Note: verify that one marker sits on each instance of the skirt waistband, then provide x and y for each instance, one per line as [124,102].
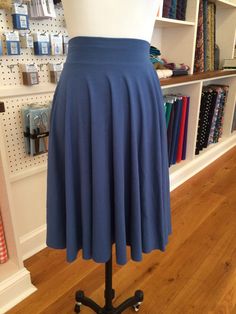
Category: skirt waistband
[86,49]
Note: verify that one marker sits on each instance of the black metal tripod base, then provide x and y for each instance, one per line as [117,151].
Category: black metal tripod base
[134,302]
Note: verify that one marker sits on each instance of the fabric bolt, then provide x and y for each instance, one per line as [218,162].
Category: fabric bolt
[204,109]
[205,32]
[184,152]
[199,50]
[214,48]
[210,115]
[212,6]
[176,129]
[168,112]
[181,132]
[170,130]
[234,120]
[3,246]
[108,176]
[181,10]
[166,8]
[173,7]
[215,115]
[220,119]
[209,43]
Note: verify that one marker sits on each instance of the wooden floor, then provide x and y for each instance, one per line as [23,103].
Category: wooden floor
[196,274]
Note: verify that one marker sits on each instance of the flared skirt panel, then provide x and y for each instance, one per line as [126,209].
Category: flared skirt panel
[108,175]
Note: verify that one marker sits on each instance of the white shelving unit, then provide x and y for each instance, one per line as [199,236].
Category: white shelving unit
[176,40]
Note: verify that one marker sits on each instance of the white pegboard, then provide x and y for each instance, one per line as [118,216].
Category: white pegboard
[11,122]
[8,78]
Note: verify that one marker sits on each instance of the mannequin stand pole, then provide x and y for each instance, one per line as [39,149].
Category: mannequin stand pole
[109,295]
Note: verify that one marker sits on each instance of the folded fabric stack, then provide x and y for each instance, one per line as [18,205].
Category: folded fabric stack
[206,51]
[210,124]
[155,56]
[166,69]
[176,112]
[177,68]
[174,9]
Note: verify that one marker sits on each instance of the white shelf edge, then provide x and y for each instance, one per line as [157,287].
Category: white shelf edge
[225,4]
[218,77]
[27,173]
[181,84]
[197,81]
[14,91]
[168,22]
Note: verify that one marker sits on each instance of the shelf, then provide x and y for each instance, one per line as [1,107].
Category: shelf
[196,77]
[166,22]
[21,90]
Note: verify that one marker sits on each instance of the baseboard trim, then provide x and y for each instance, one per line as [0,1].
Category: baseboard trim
[15,289]
[33,242]
[200,162]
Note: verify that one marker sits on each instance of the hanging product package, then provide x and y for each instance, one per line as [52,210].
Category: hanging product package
[65,44]
[20,16]
[36,126]
[41,44]
[41,9]
[56,44]
[12,43]
[30,74]
[55,72]
[26,40]
[48,8]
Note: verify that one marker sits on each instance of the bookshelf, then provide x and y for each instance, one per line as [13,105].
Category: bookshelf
[176,40]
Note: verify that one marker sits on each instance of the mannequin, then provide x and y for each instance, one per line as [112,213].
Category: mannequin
[108,137]
[111,18]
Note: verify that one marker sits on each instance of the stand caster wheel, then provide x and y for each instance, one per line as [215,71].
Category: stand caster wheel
[77,307]
[79,295]
[136,307]
[139,295]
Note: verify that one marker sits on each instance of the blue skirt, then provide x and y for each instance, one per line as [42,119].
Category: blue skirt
[108,174]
